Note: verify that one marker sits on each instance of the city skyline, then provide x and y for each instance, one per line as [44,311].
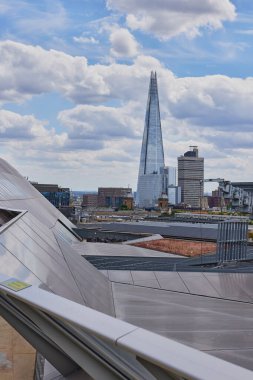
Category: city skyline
[73,80]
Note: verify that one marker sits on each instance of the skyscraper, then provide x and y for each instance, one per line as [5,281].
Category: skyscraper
[151,170]
[191,176]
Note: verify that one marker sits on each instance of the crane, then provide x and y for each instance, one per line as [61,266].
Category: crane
[241,200]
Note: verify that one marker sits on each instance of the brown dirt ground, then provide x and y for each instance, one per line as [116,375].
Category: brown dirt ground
[180,247]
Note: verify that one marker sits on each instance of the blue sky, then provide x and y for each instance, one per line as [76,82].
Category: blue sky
[74,78]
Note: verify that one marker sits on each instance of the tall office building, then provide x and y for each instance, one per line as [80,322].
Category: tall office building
[151,171]
[170,174]
[190,177]
[174,195]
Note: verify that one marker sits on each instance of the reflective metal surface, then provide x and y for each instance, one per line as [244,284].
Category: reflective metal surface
[50,262]
[89,342]
[95,288]
[209,324]
[14,268]
[50,268]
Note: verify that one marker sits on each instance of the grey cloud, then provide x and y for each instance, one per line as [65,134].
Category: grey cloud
[82,144]
[19,127]
[103,123]
[123,43]
[115,156]
[233,141]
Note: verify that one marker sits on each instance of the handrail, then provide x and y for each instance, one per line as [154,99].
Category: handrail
[150,348]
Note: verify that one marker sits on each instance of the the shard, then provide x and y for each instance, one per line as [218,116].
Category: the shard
[151,170]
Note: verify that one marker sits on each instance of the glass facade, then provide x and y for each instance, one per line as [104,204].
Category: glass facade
[174,195]
[150,179]
[57,198]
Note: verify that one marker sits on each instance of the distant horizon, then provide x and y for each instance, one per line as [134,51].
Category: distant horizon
[95,192]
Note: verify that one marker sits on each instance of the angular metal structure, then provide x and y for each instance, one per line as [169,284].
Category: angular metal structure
[151,169]
[36,245]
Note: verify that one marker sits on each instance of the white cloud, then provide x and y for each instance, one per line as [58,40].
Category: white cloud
[231,50]
[27,70]
[248,32]
[4,8]
[214,112]
[85,40]
[130,82]
[123,43]
[166,19]
[28,136]
[28,19]
[217,101]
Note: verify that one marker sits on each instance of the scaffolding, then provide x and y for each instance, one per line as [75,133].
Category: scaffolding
[232,240]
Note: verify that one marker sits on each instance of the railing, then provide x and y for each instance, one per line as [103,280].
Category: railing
[78,340]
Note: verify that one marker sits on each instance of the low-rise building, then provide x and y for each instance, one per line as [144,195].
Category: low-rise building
[112,196]
[58,196]
[90,201]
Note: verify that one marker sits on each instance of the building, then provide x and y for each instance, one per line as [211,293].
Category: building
[58,196]
[204,204]
[217,201]
[174,195]
[163,202]
[128,201]
[90,200]
[150,184]
[112,196]
[170,174]
[191,177]
[246,186]
[172,190]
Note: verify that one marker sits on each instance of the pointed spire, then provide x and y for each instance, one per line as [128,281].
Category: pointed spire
[152,156]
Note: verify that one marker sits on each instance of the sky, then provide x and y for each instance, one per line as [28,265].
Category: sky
[74,79]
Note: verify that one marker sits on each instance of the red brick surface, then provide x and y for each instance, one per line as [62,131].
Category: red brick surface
[180,247]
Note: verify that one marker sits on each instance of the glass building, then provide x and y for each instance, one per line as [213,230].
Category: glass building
[151,171]
[55,194]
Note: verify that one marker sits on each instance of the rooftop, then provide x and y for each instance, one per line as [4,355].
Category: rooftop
[205,309]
